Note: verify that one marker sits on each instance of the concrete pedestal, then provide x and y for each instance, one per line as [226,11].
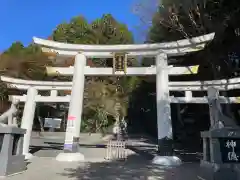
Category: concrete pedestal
[11,157]
[167,161]
[70,157]
[28,156]
[218,145]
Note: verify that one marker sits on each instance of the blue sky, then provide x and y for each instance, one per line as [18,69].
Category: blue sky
[23,19]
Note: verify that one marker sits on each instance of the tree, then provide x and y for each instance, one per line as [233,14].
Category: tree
[24,62]
[15,49]
[100,92]
[21,62]
[178,19]
[105,30]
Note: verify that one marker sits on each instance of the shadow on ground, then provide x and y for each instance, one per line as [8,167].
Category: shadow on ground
[134,168]
[142,145]
[149,149]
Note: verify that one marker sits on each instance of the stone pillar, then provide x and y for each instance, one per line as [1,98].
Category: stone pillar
[188,95]
[164,124]
[27,119]
[71,144]
[54,93]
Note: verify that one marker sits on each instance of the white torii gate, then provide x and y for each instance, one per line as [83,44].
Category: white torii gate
[33,86]
[33,97]
[30,103]
[159,51]
[188,87]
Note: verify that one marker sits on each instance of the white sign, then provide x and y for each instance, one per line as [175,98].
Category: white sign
[52,123]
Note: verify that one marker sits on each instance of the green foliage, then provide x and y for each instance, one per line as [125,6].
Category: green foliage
[24,62]
[98,122]
[15,49]
[108,31]
[105,30]
[77,31]
[100,93]
[3,92]
[21,62]
[178,19]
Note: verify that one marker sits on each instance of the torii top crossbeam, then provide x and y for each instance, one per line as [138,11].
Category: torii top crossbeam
[171,48]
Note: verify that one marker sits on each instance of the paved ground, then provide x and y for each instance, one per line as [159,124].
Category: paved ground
[51,145]
[133,169]
[136,167]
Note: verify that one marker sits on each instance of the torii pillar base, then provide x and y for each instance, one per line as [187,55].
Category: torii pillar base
[167,161]
[28,156]
[70,157]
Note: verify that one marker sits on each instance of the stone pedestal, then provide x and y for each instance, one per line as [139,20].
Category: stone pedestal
[70,157]
[221,154]
[11,146]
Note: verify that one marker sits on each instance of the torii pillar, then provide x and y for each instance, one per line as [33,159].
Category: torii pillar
[71,145]
[164,124]
[27,120]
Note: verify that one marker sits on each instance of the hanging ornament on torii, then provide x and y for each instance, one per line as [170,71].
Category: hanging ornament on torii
[120,61]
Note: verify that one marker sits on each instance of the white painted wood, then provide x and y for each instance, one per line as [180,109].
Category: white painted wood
[223,85]
[125,48]
[39,98]
[65,53]
[223,82]
[32,82]
[181,100]
[38,87]
[204,100]
[173,86]
[27,118]
[164,122]
[188,95]
[131,71]
[101,54]
[53,93]
[76,101]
